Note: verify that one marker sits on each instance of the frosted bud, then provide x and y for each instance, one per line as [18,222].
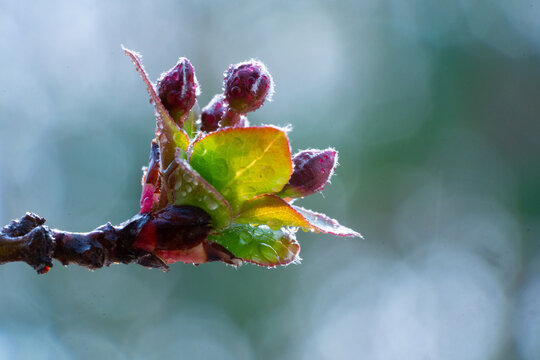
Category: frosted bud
[247,85]
[312,171]
[178,89]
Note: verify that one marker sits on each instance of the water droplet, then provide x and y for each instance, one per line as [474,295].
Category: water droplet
[236,91]
[274,224]
[183,193]
[188,176]
[268,253]
[178,184]
[258,232]
[244,238]
[267,172]
[188,187]
[211,204]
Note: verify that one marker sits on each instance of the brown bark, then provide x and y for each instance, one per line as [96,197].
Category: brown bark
[29,240]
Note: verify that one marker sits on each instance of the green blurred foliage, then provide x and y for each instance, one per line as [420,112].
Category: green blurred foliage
[433,106]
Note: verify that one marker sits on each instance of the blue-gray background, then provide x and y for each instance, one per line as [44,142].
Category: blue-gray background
[433,105]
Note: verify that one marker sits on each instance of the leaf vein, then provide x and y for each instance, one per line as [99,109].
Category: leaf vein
[251,164]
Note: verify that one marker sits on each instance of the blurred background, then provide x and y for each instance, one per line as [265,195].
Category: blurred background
[434,107]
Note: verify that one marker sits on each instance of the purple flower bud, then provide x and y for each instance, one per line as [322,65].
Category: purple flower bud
[178,89]
[213,113]
[247,85]
[312,170]
[218,114]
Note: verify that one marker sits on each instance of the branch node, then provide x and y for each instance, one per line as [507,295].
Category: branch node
[40,249]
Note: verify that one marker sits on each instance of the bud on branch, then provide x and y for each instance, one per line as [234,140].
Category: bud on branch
[178,90]
[312,171]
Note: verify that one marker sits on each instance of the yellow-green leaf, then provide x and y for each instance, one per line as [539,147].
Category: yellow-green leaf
[272,211]
[275,212]
[242,163]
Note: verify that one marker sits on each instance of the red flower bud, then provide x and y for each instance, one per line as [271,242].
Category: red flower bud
[312,170]
[247,85]
[178,89]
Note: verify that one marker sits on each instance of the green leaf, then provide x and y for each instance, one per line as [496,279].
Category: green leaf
[242,163]
[258,245]
[170,136]
[275,212]
[190,125]
[184,186]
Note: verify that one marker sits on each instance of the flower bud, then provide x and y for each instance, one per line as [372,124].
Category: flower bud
[312,170]
[247,85]
[178,89]
[213,113]
[218,114]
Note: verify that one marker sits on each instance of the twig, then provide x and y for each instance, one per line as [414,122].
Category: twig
[29,240]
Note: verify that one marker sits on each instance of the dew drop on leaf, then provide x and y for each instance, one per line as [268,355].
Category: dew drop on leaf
[178,184]
[211,204]
[268,253]
[274,224]
[245,238]
[188,177]
[258,232]
[267,172]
